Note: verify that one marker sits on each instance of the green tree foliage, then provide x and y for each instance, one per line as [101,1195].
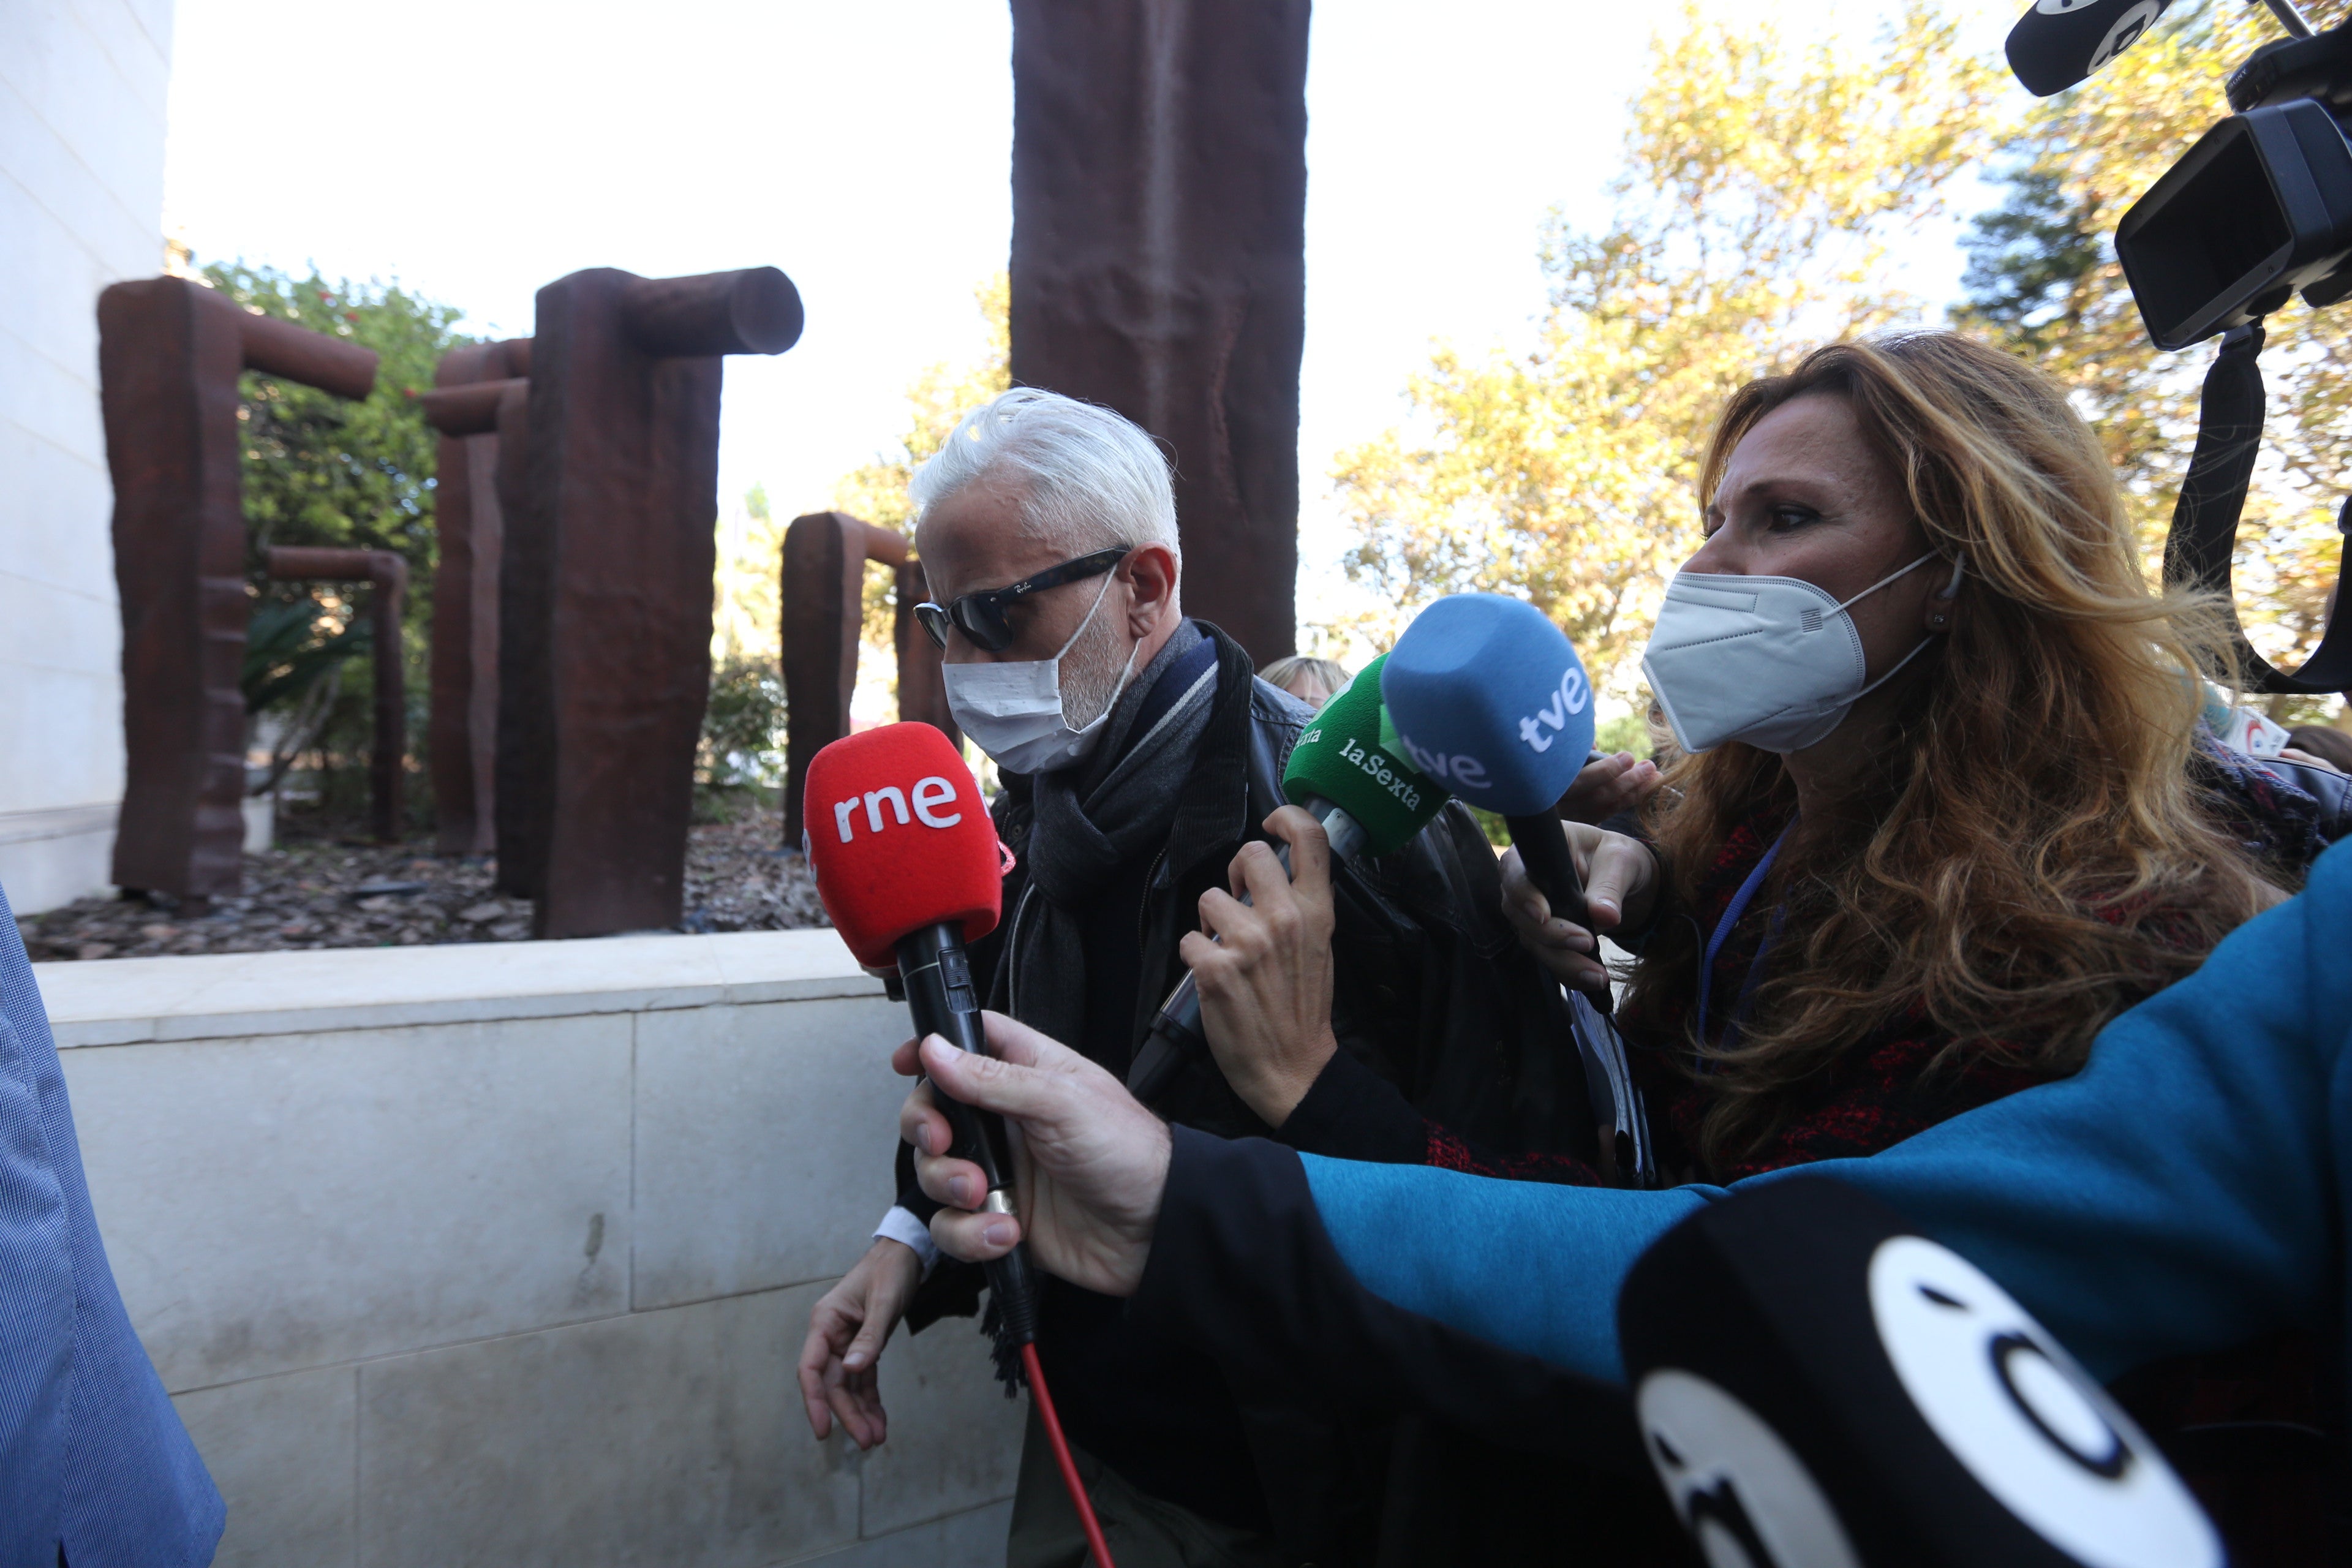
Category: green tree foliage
[323,470]
[2043,277]
[747,597]
[742,745]
[1760,190]
[288,650]
[320,470]
[743,728]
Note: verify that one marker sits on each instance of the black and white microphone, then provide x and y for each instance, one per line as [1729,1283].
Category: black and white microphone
[2059,43]
[1819,1387]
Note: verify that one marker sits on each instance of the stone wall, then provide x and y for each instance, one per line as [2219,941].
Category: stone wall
[81,201]
[503,1254]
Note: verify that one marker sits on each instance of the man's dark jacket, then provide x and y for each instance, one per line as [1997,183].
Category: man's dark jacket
[1438,1013]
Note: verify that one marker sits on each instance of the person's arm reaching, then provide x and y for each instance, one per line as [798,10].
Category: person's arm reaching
[2180,1194]
[2177,1195]
[1236,1260]
[2184,1192]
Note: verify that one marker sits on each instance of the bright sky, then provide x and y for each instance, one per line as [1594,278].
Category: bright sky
[477,149]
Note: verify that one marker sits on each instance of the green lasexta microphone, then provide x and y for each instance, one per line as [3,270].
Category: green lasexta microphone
[1357,786]
[1370,801]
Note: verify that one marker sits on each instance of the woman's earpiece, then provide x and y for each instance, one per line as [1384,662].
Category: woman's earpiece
[1949,590]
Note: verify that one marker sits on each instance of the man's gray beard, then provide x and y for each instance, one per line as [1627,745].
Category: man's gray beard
[1091,671]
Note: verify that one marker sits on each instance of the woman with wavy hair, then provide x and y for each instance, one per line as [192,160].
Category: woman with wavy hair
[1945,805]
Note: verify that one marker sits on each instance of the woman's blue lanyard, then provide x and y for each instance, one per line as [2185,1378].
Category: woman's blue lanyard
[1723,928]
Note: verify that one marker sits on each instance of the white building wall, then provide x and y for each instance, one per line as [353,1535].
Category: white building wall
[504,1253]
[82,87]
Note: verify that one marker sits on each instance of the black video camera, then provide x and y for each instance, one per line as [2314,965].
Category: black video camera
[2258,208]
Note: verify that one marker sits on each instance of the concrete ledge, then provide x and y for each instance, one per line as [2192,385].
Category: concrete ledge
[48,861]
[58,822]
[503,1253]
[141,1001]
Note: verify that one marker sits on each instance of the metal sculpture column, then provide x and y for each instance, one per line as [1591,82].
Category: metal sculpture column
[1159,242]
[606,670]
[518,807]
[922,689]
[826,555]
[386,576]
[468,385]
[168,354]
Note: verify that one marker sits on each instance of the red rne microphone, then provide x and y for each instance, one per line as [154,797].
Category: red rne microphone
[906,862]
[900,839]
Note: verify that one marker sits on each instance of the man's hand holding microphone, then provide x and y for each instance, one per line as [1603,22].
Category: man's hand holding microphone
[1090,1162]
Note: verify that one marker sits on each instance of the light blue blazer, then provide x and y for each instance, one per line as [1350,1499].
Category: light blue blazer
[92,1455]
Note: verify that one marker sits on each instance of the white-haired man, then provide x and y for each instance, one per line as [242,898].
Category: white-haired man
[1142,762]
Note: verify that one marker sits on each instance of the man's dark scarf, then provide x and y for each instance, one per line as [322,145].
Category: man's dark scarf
[1094,819]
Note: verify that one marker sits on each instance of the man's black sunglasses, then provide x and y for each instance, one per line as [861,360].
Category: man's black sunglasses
[981,616]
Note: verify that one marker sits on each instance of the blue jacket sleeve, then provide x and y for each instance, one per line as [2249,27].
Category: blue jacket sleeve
[92,1455]
[2180,1194]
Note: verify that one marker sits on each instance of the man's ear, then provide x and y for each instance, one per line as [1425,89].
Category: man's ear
[1151,573]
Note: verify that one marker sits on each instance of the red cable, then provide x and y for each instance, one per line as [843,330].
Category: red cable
[1087,1520]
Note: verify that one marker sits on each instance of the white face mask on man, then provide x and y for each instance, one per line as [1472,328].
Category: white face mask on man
[1773,661]
[1012,709]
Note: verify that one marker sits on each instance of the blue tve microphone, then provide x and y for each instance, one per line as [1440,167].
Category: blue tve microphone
[1490,702]
[1487,698]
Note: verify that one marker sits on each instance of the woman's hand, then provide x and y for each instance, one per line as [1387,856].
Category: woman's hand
[1607,785]
[1620,877]
[1090,1164]
[1265,982]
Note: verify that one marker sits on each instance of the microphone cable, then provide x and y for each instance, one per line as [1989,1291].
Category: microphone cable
[935,976]
[1069,1467]
[904,898]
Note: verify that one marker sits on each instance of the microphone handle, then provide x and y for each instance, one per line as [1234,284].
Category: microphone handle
[936,975]
[1176,1037]
[1543,850]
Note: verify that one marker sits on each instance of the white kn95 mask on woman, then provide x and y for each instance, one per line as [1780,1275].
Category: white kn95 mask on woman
[1773,661]
[1012,709]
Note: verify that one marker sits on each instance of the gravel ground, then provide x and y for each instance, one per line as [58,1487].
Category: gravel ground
[327,892]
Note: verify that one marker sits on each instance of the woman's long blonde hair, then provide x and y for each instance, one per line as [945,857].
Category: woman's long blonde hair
[2028,856]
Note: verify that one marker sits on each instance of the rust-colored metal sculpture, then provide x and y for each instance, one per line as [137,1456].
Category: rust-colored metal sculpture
[826,555]
[922,689]
[605,599]
[170,351]
[519,794]
[1159,240]
[468,385]
[386,576]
